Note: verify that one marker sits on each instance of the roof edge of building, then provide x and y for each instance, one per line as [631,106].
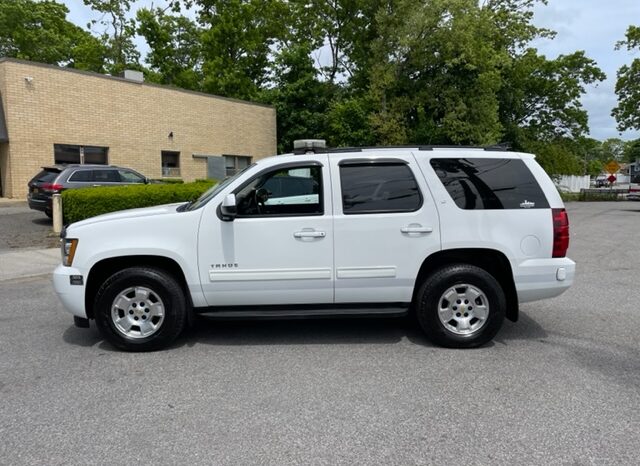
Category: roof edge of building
[128,81]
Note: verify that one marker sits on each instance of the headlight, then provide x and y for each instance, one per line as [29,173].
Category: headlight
[68,248]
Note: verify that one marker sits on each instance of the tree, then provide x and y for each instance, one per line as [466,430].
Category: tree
[237,39]
[300,98]
[175,45]
[117,34]
[540,99]
[627,112]
[632,151]
[39,31]
[613,149]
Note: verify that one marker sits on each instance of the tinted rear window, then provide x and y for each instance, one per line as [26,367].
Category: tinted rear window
[46,176]
[378,188]
[81,176]
[484,183]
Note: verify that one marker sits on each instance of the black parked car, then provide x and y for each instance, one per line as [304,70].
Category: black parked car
[56,178]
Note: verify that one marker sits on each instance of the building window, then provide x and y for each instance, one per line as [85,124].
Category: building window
[66,153]
[170,163]
[236,163]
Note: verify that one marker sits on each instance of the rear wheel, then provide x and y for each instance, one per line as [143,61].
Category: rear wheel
[140,309]
[461,306]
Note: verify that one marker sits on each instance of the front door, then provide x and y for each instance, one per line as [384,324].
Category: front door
[279,248]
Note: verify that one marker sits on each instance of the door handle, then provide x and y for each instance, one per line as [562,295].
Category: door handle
[309,234]
[416,229]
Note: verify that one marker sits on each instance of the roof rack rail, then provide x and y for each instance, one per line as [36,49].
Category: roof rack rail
[313,148]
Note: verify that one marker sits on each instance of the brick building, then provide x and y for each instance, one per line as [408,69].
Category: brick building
[53,115]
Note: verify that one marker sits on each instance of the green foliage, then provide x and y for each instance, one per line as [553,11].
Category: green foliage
[627,112]
[236,44]
[116,32]
[301,100]
[39,31]
[612,149]
[569,197]
[590,196]
[632,151]
[175,54]
[78,204]
[557,157]
[349,124]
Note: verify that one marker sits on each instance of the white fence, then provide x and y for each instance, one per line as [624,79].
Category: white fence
[571,183]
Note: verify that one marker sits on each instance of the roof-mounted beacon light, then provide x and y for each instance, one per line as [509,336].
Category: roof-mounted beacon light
[308,146]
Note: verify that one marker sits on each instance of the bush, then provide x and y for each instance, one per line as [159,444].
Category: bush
[78,204]
[601,196]
[568,197]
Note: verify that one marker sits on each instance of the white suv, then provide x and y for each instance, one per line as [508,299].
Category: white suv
[460,236]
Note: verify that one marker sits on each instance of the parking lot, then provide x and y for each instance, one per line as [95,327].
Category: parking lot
[21,227]
[561,386]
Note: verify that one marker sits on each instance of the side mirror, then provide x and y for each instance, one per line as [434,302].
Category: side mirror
[228,208]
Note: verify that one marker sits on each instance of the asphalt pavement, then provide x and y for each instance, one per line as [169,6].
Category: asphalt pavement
[21,227]
[561,386]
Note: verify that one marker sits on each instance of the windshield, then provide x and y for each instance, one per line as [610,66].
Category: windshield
[211,193]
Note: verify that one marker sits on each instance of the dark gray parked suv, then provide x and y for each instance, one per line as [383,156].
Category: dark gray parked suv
[56,178]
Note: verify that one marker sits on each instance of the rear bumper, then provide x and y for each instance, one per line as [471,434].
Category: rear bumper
[71,296]
[543,278]
[39,204]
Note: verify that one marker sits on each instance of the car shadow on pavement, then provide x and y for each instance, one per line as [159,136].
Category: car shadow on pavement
[329,331]
[326,331]
[525,329]
[83,336]
[42,221]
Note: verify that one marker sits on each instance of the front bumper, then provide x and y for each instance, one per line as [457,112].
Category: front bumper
[543,278]
[71,296]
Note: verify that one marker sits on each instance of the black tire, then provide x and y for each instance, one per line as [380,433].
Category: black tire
[429,301]
[48,213]
[164,286]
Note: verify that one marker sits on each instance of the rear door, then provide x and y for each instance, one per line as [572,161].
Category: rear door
[385,225]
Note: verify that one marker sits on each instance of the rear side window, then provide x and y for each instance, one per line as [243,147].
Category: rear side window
[378,188]
[80,176]
[46,176]
[127,176]
[484,183]
[106,176]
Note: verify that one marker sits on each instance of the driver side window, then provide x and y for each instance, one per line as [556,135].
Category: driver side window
[282,192]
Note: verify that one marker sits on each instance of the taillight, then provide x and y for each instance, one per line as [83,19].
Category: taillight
[52,186]
[560,232]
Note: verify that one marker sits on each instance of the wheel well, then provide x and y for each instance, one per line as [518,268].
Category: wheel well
[494,262]
[105,268]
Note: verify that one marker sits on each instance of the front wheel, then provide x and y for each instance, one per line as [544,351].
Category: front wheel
[461,306]
[140,309]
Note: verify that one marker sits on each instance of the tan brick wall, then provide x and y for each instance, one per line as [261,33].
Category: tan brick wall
[134,120]
[5,172]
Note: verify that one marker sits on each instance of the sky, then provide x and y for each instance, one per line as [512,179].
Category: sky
[590,25]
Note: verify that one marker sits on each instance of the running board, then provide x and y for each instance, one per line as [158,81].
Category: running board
[302,311]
